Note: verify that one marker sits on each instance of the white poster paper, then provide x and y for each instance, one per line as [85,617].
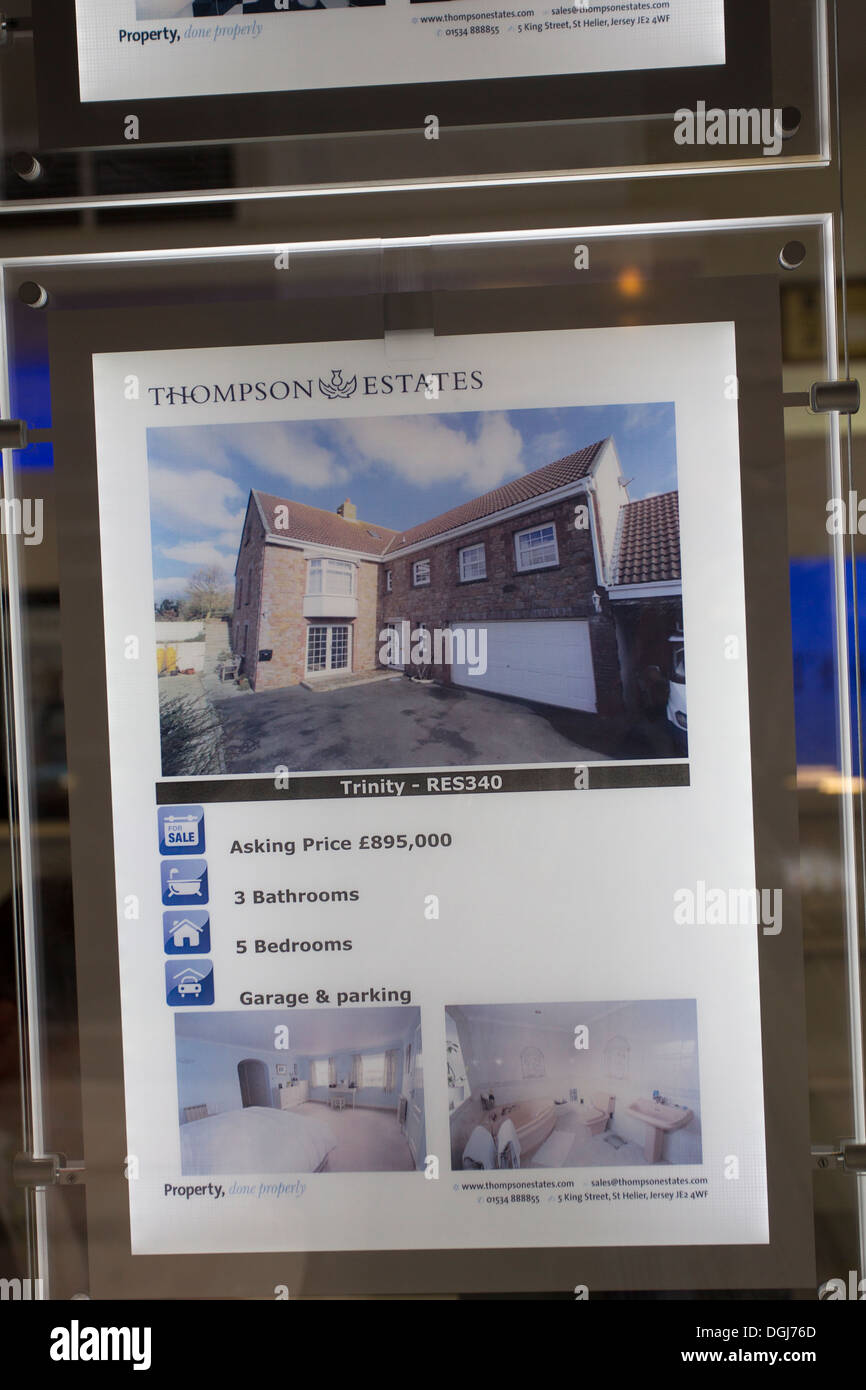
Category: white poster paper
[424,841]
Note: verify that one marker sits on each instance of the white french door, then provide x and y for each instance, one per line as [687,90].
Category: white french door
[329,648]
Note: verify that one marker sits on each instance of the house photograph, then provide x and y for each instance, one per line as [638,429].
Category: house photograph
[579,1085]
[344,1095]
[482,587]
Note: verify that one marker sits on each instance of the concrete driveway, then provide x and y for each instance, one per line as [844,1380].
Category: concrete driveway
[394,724]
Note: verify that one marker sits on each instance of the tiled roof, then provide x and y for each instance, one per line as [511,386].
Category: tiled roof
[648,546]
[319,527]
[547,479]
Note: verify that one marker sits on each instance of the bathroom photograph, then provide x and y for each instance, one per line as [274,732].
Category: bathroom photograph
[582,1085]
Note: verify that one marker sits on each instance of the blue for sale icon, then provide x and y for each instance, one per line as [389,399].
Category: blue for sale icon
[181,829]
[188,982]
[184,882]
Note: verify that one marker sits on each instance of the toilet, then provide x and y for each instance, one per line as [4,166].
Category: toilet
[594,1117]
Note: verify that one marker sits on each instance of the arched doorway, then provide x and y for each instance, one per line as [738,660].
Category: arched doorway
[255,1083]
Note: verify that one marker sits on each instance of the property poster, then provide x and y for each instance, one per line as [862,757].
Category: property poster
[429,733]
[144,49]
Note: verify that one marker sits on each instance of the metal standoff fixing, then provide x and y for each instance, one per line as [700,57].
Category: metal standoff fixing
[47,1170]
[13,434]
[841,396]
[35,296]
[790,120]
[846,1155]
[9,27]
[26,166]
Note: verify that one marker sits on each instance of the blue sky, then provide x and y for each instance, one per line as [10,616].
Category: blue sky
[398,470]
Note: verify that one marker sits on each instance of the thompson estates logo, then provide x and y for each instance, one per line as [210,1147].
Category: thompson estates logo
[339,388]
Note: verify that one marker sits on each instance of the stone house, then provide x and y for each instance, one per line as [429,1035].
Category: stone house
[577,589]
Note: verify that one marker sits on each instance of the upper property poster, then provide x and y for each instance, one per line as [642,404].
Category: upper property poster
[459,61]
[172,48]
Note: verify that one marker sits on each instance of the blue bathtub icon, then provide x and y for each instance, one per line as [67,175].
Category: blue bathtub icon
[184,882]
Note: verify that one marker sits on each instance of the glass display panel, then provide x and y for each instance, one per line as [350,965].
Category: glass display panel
[633,483]
[412,91]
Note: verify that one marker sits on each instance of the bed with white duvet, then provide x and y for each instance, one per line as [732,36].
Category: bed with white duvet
[255,1140]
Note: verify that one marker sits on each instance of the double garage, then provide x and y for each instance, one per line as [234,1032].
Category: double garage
[549,661]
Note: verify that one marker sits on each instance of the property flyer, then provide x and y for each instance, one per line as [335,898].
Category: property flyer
[143,49]
[429,732]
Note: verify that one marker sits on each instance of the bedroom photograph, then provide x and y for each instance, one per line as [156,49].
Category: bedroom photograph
[329,1091]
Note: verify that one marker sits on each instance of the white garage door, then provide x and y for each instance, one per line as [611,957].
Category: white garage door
[546,661]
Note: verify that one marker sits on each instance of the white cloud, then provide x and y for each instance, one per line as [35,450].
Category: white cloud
[201,554]
[286,449]
[425,450]
[169,588]
[196,498]
[291,452]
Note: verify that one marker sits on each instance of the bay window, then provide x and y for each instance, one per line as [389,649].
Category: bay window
[325,576]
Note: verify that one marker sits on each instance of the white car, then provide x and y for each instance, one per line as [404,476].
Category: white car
[676,707]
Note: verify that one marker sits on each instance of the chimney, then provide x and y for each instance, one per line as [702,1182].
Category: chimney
[348,511]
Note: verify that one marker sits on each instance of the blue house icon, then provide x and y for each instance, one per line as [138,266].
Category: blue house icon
[186,933]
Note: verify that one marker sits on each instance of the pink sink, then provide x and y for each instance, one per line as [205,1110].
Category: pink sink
[664,1117]
[660,1120]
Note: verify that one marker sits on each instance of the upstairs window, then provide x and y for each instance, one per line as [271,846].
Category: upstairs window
[473,563]
[536,549]
[389,581]
[421,573]
[336,577]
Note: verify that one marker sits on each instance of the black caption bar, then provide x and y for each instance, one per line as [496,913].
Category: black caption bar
[762,1327]
[369,786]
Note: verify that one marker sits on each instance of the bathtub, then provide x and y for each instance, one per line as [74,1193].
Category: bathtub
[534,1120]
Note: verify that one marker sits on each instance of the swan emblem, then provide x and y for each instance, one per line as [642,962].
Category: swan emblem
[337,387]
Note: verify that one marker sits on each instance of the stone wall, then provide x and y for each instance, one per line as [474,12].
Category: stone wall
[365,637]
[283,627]
[269,612]
[248,583]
